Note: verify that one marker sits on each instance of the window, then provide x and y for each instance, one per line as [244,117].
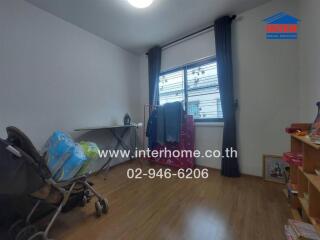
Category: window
[196,86]
[171,87]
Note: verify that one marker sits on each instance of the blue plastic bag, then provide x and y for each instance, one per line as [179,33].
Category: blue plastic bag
[60,147]
[72,165]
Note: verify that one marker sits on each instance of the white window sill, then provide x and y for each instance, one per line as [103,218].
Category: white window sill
[209,124]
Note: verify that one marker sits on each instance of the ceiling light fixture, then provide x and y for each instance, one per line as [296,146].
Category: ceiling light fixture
[140,3]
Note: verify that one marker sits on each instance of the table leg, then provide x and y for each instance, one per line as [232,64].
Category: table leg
[119,142]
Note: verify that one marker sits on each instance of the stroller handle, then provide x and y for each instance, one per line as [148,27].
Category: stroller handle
[14,151]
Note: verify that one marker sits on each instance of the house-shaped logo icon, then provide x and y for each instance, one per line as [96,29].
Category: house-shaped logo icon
[281,26]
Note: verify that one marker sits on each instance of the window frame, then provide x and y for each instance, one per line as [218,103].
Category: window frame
[185,68]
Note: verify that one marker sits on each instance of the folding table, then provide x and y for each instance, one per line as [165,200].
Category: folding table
[119,132]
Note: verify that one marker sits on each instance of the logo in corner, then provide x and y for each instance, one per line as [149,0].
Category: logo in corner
[281,26]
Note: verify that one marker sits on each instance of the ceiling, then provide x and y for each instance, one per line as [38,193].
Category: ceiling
[138,29]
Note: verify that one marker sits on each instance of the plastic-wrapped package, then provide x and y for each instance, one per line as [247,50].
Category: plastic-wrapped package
[72,165]
[59,147]
[91,151]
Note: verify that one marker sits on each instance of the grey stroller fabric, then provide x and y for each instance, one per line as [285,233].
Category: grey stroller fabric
[17,138]
[18,173]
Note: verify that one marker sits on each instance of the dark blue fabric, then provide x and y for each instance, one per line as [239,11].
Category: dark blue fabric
[164,125]
[173,114]
[161,134]
[151,132]
[154,65]
[222,29]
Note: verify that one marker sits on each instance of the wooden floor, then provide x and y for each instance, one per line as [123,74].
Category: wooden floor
[218,208]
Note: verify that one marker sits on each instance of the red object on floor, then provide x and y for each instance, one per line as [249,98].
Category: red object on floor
[187,142]
[295,159]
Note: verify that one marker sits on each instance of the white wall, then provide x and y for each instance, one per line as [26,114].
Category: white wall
[267,85]
[54,75]
[309,50]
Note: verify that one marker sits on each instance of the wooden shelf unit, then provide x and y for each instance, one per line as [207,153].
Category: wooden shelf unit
[306,140]
[307,181]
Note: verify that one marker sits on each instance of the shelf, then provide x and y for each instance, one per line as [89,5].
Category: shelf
[309,176]
[305,205]
[306,179]
[306,140]
[295,214]
[314,180]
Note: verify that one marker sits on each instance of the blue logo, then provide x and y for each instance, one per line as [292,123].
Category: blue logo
[281,26]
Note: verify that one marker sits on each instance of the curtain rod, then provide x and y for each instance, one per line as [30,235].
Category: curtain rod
[191,34]
[188,36]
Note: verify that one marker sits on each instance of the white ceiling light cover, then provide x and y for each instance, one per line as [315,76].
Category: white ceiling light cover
[140,3]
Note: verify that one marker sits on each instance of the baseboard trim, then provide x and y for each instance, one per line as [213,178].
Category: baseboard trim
[218,169]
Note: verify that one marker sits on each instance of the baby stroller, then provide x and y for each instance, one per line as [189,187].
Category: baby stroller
[24,172]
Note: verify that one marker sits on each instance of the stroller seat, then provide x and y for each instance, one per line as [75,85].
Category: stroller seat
[26,172]
[19,139]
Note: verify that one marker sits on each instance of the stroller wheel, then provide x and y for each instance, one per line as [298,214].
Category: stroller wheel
[84,201]
[87,193]
[105,206]
[99,209]
[16,228]
[26,232]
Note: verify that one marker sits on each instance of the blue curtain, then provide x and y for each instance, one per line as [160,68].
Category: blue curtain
[222,29]
[154,63]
